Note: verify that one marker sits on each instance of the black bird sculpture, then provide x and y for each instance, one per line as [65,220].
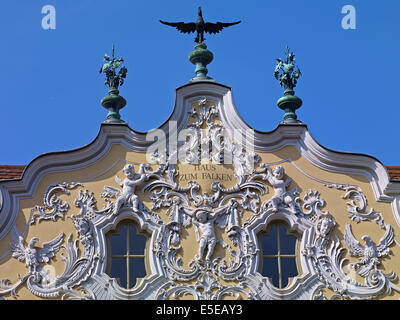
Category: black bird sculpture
[200,26]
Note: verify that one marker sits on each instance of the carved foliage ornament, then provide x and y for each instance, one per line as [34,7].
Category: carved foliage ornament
[207,275]
[204,138]
[221,209]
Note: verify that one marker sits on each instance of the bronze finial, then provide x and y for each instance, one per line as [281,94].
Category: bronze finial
[287,74]
[113,102]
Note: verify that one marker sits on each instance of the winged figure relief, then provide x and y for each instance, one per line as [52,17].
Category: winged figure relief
[204,220]
[369,253]
[127,196]
[33,256]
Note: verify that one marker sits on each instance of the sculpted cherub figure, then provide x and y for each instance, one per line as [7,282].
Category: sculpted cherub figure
[281,197]
[324,226]
[129,184]
[204,220]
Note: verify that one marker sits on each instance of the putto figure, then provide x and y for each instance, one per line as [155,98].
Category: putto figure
[129,185]
[281,196]
[200,26]
[204,219]
[324,225]
[127,196]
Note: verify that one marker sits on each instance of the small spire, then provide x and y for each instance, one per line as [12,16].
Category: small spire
[288,74]
[114,79]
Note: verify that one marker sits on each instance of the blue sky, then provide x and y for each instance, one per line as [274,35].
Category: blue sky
[52,88]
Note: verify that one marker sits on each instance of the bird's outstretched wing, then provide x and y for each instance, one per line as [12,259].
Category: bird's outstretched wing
[356,249]
[385,242]
[18,249]
[50,248]
[217,27]
[181,26]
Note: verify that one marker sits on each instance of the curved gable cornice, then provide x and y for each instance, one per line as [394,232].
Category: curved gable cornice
[296,135]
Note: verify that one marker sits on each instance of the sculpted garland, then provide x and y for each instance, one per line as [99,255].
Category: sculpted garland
[223,209]
[207,276]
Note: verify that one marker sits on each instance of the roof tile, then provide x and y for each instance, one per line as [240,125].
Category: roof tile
[11,172]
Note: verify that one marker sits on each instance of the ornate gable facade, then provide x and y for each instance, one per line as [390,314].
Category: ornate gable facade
[212,198]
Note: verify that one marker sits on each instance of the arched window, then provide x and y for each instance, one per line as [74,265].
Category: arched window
[278,255]
[126,260]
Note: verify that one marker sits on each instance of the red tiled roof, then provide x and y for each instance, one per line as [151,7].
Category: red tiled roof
[11,172]
[15,172]
[394,172]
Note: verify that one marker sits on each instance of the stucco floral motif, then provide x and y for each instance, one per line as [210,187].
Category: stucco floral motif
[53,207]
[208,275]
[328,258]
[77,266]
[357,207]
[205,138]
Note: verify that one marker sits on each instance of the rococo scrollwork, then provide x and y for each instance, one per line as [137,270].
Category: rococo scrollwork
[221,266]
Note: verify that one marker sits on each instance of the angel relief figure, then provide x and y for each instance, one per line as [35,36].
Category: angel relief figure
[33,256]
[280,185]
[204,220]
[324,225]
[127,196]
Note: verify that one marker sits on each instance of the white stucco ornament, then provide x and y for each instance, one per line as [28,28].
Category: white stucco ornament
[167,210]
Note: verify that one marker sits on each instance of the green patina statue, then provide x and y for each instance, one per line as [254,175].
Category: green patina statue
[114,78]
[287,73]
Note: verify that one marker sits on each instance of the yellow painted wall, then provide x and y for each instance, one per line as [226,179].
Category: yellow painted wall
[10,268]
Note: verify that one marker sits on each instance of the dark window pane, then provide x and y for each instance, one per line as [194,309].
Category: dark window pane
[137,270]
[270,270]
[269,242]
[289,270]
[118,270]
[118,242]
[137,241]
[287,242]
